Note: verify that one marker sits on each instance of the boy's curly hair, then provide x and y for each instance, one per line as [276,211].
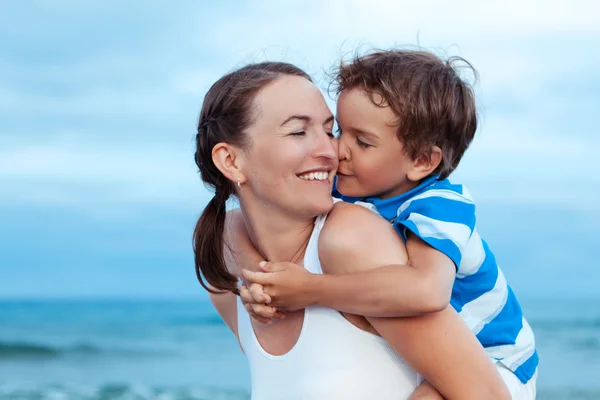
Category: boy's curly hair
[434,106]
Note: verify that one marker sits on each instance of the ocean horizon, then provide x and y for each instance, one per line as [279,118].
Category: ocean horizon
[105,349]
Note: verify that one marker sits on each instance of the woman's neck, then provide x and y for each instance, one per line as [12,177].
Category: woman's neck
[276,236]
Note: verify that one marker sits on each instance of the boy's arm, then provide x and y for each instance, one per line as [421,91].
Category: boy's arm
[422,286]
[436,229]
[240,254]
[425,391]
[237,248]
[438,345]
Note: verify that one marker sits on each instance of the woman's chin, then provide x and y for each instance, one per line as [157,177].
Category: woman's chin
[321,204]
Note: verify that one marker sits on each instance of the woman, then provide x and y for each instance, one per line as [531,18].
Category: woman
[265,135]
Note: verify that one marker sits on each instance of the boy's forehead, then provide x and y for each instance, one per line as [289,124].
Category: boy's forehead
[364,108]
[360,93]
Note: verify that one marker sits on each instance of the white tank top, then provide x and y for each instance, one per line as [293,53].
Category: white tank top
[332,359]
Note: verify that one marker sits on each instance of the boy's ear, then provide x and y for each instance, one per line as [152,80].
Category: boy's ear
[425,164]
[229,160]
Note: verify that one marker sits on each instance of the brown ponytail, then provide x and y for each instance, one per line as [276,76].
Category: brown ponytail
[225,116]
[208,249]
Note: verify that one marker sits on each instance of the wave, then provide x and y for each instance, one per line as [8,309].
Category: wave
[585,343]
[565,324]
[571,394]
[140,392]
[27,350]
[208,320]
[121,392]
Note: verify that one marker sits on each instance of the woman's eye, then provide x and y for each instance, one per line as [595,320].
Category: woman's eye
[338,132]
[298,133]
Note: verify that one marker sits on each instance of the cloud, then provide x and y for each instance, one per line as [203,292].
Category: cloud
[99,100]
[97,176]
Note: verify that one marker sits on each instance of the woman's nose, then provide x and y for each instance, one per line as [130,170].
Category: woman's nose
[327,147]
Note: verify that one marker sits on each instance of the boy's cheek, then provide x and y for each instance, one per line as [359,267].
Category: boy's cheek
[346,187]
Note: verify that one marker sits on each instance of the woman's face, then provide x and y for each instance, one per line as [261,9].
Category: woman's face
[292,158]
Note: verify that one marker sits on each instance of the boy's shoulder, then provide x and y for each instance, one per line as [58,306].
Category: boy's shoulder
[438,203]
[442,214]
[442,188]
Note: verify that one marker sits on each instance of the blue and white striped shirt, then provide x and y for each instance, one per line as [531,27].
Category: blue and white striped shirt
[443,215]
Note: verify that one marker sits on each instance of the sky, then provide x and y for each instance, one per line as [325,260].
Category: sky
[99,100]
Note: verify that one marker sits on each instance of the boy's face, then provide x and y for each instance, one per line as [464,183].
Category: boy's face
[372,157]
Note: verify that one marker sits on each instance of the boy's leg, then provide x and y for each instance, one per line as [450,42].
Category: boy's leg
[518,390]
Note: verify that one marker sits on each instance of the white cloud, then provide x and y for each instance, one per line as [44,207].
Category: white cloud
[84,174]
[159,72]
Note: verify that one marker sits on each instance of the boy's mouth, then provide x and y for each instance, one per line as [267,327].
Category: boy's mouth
[343,174]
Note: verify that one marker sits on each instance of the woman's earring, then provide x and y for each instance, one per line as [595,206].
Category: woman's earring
[238,183]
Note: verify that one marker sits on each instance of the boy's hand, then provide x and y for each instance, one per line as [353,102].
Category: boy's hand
[288,285]
[254,300]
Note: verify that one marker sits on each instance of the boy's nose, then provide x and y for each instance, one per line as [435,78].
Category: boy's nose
[343,151]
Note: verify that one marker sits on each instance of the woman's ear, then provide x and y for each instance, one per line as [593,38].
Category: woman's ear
[229,160]
[425,164]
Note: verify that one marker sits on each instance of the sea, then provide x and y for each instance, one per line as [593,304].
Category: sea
[181,350]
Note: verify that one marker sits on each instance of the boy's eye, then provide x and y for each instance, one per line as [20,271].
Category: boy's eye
[330,134]
[362,144]
[339,132]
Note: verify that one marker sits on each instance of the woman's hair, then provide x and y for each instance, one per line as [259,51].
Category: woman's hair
[227,112]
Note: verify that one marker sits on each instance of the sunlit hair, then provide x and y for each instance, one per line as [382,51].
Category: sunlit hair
[227,112]
[433,104]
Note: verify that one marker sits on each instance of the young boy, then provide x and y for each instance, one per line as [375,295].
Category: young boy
[405,119]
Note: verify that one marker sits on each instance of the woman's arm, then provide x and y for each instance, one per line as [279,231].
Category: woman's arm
[225,304]
[438,345]
[236,242]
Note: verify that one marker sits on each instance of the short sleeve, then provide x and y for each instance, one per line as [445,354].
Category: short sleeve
[444,219]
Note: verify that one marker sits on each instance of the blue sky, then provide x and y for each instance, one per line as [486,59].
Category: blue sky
[99,99]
